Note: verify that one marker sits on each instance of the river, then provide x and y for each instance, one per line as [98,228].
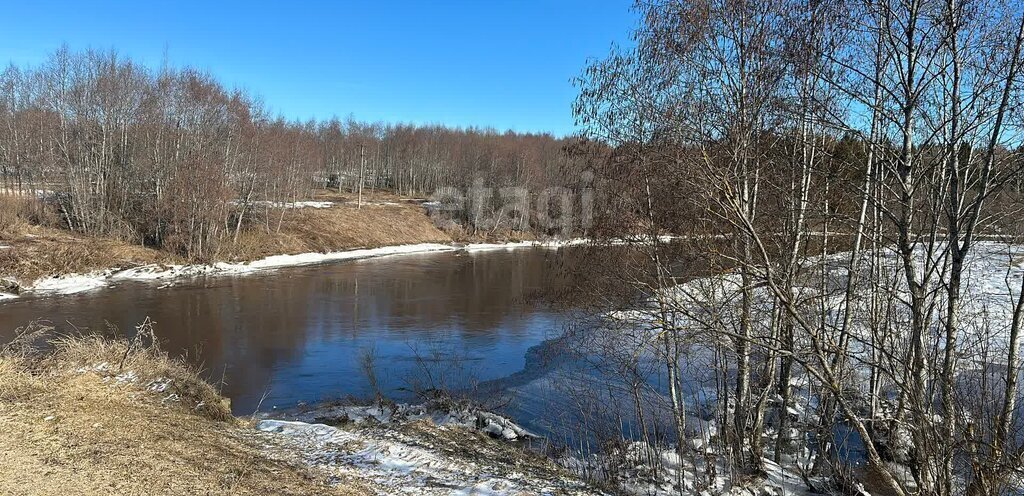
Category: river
[301,334]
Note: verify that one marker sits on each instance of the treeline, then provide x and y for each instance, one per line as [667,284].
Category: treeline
[172,158]
[844,164]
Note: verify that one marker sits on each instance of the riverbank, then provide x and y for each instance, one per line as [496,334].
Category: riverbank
[457,448]
[39,259]
[169,273]
[91,416]
[109,417]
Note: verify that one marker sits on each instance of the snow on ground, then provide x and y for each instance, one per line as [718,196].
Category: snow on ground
[524,244]
[419,449]
[297,204]
[70,284]
[278,261]
[307,204]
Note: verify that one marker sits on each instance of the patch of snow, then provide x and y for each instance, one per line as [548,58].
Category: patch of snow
[125,377]
[70,284]
[309,204]
[159,385]
[500,246]
[99,367]
[313,258]
[298,204]
[524,244]
[374,203]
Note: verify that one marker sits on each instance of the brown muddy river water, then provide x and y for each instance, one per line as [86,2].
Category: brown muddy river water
[300,334]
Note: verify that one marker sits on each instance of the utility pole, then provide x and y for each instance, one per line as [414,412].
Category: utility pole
[362,168]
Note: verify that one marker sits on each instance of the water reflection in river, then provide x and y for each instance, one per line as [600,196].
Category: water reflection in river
[298,334]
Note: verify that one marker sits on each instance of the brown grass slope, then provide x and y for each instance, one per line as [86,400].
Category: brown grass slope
[380,222]
[102,417]
[30,249]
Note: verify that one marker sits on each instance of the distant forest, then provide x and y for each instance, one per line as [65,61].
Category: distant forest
[173,158]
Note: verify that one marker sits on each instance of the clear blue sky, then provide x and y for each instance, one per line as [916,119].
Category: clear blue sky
[505,64]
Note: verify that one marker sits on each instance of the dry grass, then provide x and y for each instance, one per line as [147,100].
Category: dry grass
[31,248]
[38,251]
[29,251]
[13,215]
[18,213]
[451,230]
[113,417]
[342,227]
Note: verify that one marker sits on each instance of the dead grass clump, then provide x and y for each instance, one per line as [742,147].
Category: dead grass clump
[257,243]
[139,362]
[14,215]
[17,359]
[15,382]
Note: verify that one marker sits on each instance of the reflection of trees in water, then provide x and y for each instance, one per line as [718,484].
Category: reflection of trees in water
[243,328]
[469,293]
[602,277]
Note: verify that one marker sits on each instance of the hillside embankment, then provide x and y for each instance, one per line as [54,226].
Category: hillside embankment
[33,247]
[90,416]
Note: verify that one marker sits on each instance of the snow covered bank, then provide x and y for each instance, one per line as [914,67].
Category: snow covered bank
[489,423]
[421,450]
[76,283]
